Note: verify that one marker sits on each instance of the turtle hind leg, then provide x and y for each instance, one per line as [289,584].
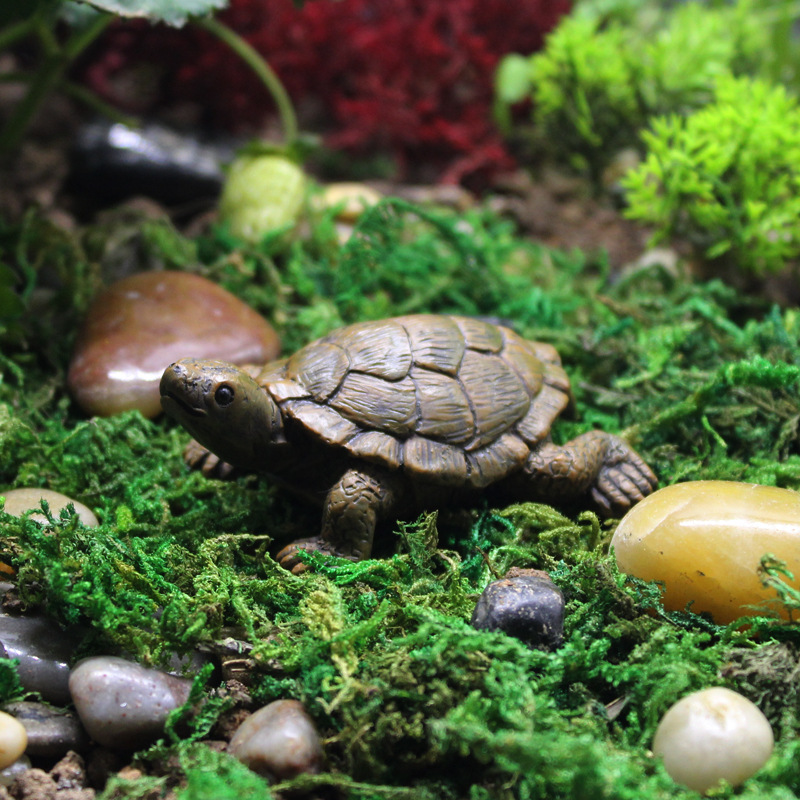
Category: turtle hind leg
[353,507]
[599,463]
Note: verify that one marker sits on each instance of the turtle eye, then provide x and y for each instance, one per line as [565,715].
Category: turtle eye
[224,395]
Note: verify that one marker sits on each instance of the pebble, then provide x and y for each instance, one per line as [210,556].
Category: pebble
[43,650]
[13,739]
[111,161]
[351,198]
[18,501]
[138,326]
[66,781]
[13,771]
[713,735]
[525,604]
[278,741]
[124,705]
[51,731]
[704,540]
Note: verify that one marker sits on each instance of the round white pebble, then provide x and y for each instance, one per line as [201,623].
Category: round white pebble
[713,735]
[18,501]
[13,739]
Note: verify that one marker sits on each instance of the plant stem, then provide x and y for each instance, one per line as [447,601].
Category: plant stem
[90,99]
[14,33]
[262,69]
[47,77]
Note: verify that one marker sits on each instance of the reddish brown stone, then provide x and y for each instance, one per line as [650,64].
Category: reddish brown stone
[138,326]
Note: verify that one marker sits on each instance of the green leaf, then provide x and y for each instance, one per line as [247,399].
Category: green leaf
[173,12]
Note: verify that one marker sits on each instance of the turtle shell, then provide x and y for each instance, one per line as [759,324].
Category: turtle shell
[454,400]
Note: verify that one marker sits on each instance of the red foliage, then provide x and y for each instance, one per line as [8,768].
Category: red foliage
[412,77]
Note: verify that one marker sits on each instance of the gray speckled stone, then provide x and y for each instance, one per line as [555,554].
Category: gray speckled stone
[124,705]
[278,741]
[525,604]
[51,731]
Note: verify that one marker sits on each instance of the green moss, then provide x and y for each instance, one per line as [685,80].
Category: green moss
[725,178]
[603,73]
[410,700]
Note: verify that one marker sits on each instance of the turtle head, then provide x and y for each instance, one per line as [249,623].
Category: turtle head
[223,408]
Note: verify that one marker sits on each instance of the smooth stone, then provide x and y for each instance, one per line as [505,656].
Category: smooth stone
[704,540]
[138,326]
[279,741]
[111,161]
[18,501]
[353,199]
[43,650]
[713,735]
[13,739]
[124,705]
[525,604]
[52,732]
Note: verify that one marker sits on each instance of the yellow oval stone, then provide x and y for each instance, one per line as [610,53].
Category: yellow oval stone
[13,739]
[704,540]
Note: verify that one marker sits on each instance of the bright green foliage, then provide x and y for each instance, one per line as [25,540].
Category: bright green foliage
[596,83]
[412,703]
[727,177]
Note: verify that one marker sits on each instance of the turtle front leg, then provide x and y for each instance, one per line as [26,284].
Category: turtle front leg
[212,466]
[353,507]
[597,462]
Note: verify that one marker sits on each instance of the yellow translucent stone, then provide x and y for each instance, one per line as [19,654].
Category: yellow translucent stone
[704,540]
[13,739]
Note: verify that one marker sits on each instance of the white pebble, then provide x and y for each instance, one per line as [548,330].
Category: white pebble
[712,735]
[278,741]
[18,501]
[13,739]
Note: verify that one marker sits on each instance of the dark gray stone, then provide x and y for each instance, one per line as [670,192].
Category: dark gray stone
[44,650]
[525,604]
[52,732]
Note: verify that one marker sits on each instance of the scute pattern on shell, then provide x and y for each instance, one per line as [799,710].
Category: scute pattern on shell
[453,399]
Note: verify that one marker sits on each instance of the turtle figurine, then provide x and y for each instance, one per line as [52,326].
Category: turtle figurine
[384,419]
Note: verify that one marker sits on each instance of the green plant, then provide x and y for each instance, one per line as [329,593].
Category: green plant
[601,77]
[726,178]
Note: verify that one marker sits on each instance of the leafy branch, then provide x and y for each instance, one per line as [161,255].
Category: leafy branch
[37,21]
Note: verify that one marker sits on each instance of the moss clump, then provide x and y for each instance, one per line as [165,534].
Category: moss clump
[412,702]
[602,76]
[726,177]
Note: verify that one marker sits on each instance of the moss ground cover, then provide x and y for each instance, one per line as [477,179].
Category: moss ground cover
[411,700]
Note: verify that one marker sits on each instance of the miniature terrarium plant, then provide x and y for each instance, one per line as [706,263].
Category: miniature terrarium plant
[443,506]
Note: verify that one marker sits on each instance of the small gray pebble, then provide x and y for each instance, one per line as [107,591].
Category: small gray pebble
[44,650]
[51,731]
[278,741]
[124,705]
[525,604]
[12,772]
